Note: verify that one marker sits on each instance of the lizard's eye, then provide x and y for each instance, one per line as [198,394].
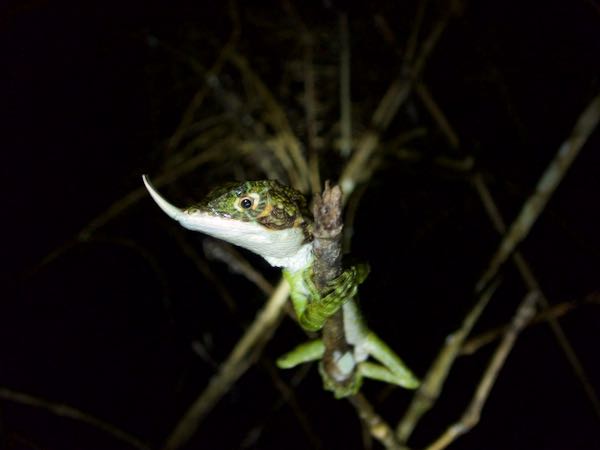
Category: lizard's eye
[246,202]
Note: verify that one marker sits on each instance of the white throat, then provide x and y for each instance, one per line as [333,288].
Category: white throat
[294,263]
[279,245]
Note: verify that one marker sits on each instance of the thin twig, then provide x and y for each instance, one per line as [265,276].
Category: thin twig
[473,344]
[533,207]
[437,114]
[60,409]
[519,261]
[134,196]
[310,109]
[432,385]
[395,96]
[377,427]
[310,98]
[345,96]
[204,268]
[238,264]
[235,261]
[532,284]
[241,358]
[197,100]
[413,39]
[290,399]
[200,95]
[472,414]
[275,115]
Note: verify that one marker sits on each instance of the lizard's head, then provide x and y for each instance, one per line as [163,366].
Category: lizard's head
[265,217]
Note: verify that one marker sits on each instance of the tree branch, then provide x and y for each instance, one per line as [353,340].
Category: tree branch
[327,250]
[241,358]
[472,414]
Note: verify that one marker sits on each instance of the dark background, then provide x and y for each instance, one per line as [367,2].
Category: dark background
[90,93]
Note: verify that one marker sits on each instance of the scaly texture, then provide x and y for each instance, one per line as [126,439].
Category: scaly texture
[272,204]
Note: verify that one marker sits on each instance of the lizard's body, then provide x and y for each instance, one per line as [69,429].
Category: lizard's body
[272,220]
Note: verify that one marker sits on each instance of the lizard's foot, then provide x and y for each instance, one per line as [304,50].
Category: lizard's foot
[330,300]
[345,285]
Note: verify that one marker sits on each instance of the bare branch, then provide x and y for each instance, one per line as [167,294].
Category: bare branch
[553,312]
[519,261]
[437,114]
[241,358]
[127,201]
[235,261]
[200,95]
[471,416]
[378,427]
[290,146]
[532,284]
[432,385]
[533,207]
[60,409]
[397,93]
[310,110]
[345,96]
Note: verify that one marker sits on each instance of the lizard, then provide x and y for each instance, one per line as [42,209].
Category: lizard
[272,220]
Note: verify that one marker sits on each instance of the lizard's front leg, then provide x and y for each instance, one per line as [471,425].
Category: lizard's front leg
[313,308]
[321,305]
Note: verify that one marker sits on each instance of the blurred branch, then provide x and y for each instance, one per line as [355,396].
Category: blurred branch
[413,39]
[310,97]
[290,399]
[345,92]
[533,207]
[204,268]
[167,177]
[240,359]
[472,414]
[567,152]
[227,254]
[553,312]
[584,125]
[62,410]
[377,427]
[434,380]
[200,95]
[310,109]
[532,284]
[298,173]
[397,93]
[437,114]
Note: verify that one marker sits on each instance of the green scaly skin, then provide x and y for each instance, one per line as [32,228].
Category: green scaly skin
[312,307]
[273,221]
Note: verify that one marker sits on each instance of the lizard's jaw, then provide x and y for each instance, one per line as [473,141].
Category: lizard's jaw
[250,235]
[284,247]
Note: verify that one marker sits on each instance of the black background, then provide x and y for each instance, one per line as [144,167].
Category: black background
[91,91]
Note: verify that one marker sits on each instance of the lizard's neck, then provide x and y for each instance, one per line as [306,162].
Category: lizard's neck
[299,261]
